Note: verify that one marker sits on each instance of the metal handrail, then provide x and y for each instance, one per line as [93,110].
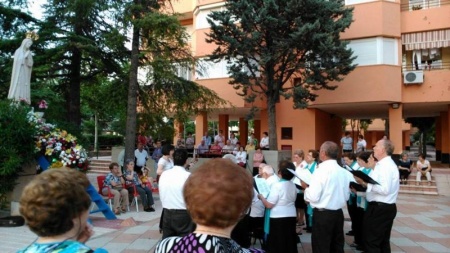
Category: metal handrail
[424,67]
[423,6]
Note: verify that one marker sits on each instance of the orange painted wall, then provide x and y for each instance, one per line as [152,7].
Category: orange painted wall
[436,88]
[426,19]
[379,18]
[365,84]
[183,6]
[223,89]
[328,128]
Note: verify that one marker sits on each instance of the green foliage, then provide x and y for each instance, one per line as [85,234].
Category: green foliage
[278,41]
[17,145]
[109,140]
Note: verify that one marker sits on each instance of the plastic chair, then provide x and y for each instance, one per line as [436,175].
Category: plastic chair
[134,197]
[109,197]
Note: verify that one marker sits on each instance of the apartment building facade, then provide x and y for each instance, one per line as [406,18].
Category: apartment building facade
[403,57]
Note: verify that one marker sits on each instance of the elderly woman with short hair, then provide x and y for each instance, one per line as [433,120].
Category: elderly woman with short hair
[217,195]
[55,205]
[282,235]
[133,182]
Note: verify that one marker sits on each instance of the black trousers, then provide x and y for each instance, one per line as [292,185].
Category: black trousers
[352,209]
[357,224]
[378,221]
[328,233]
[176,223]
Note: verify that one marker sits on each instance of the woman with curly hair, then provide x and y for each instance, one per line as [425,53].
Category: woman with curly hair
[217,195]
[55,205]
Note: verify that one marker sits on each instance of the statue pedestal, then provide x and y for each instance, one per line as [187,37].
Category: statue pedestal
[28,173]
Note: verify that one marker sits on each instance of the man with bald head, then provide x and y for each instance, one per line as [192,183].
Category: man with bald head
[381,209]
[328,193]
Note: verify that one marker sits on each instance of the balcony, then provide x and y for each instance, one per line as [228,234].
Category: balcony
[434,15]
[416,5]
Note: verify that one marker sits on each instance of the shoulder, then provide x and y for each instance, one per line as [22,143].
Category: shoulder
[167,244]
[67,246]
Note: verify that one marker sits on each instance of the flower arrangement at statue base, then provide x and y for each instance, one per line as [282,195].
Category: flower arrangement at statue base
[58,147]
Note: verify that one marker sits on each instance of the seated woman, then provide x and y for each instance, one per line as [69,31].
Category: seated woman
[258,158]
[115,182]
[216,185]
[423,167]
[281,202]
[228,148]
[215,148]
[241,157]
[133,182]
[55,205]
[404,167]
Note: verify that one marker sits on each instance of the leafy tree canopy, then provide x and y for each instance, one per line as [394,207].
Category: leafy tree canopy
[269,42]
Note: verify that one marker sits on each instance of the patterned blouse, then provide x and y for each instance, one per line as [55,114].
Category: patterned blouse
[135,178]
[201,243]
[111,178]
[60,247]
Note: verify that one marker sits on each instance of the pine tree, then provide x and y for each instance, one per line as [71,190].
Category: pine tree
[282,48]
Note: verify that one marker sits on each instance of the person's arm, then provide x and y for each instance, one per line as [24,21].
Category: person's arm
[385,181]
[313,192]
[160,169]
[428,167]
[266,203]
[129,177]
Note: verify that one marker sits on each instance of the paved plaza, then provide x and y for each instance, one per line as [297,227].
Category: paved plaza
[422,225]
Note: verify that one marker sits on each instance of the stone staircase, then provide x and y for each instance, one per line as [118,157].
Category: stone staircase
[99,166]
[423,188]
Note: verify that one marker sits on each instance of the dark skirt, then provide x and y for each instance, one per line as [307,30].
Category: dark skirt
[282,235]
[300,201]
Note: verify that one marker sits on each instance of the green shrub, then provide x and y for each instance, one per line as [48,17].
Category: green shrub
[106,141]
[17,144]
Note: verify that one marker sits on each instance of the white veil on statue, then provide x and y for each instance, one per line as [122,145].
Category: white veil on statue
[21,72]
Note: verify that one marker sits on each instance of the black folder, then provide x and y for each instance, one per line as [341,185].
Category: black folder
[254,185]
[363,176]
[357,187]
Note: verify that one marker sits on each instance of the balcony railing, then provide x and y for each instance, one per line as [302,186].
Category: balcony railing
[423,4]
[424,66]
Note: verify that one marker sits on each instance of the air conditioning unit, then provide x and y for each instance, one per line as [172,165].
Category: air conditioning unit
[411,77]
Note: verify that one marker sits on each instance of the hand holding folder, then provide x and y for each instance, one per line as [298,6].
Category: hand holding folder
[363,176]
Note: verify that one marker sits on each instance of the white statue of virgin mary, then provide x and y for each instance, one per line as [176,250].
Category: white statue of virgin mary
[21,72]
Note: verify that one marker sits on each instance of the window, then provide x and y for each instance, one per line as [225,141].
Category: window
[286,133]
[203,12]
[374,51]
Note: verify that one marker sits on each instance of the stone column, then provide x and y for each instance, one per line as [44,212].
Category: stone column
[395,129]
[201,126]
[438,138]
[445,157]
[223,125]
[243,131]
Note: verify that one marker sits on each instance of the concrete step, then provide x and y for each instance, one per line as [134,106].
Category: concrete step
[422,189]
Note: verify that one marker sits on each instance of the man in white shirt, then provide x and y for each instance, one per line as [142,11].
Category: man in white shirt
[327,194]
[381,209]
[141,156]
[175,219]
[220,139]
